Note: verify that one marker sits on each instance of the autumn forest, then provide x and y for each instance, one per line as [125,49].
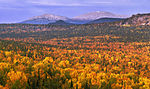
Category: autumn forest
[90,56]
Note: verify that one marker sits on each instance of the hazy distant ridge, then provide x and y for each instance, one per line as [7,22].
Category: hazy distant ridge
[98,15]
[82,19]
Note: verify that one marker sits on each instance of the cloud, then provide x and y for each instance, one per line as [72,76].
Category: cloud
[68,3]
[12,4]
[102,2]
[58,4]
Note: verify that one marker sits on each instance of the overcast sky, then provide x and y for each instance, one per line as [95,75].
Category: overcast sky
[19,10]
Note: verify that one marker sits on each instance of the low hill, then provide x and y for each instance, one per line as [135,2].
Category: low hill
[102,20]
[60,22]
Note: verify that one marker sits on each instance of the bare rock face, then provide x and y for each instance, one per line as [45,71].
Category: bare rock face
[139,19]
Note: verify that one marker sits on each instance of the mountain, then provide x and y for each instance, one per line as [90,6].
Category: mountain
[82,19]
[97,15]
[60,22]
[102,20]
[45,19]
[50,18]
[38,21]
[139,19]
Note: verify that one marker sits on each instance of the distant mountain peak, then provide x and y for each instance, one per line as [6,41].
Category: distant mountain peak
[49,17]
[101,12]
[45,19]
[82,19]
[98,15]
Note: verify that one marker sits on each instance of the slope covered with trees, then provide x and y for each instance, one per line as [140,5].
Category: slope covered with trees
[94,56]
[47,32]
[90,65]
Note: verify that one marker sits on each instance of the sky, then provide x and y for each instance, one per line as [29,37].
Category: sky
[12,11]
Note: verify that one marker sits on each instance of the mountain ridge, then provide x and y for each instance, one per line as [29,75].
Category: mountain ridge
[44,19]
[98,15]
[104,20]
[51,18]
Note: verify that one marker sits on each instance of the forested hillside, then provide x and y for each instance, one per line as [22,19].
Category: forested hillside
[91,65]
[47,32]
[94,56]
